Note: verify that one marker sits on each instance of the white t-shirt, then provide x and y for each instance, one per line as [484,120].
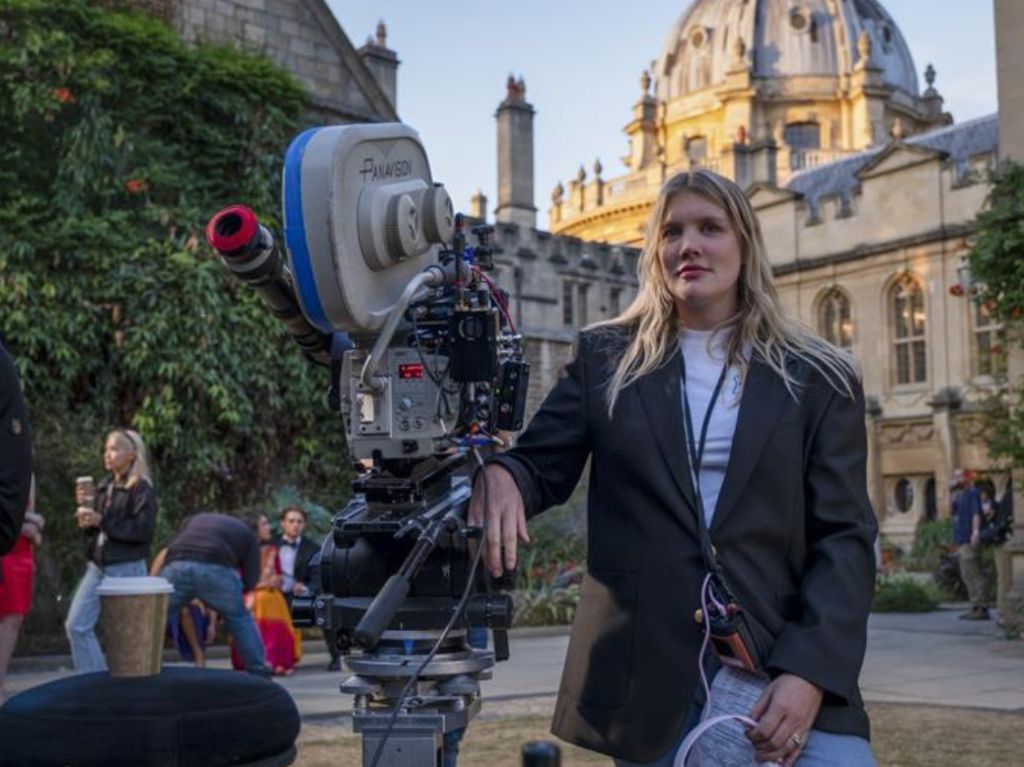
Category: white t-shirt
[704,352]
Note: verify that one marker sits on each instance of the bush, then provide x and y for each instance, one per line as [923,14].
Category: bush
[904,594]
[550,570]
[932,539]
[546,605]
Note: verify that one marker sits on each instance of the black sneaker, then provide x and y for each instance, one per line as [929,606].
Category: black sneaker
[334,665]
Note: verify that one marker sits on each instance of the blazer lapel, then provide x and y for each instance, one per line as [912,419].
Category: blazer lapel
[660,397]
[764,398]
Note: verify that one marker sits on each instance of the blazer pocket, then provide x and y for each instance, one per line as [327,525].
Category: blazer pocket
[599,662]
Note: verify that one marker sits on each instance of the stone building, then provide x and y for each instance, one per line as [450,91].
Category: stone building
[558,283]
[346,84]
[867,193]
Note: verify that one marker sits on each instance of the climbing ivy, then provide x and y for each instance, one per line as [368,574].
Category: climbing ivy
[997,272]
[118,143]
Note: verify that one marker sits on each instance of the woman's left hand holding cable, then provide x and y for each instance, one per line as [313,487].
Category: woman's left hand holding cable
[785,714]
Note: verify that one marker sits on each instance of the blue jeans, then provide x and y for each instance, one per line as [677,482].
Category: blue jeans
[80,625]
[220,589]
[823,749]
[475,637]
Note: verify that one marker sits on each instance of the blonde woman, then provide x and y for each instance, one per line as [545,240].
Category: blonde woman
[118,527]
[706,416]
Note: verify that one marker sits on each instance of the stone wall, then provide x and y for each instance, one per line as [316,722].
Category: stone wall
[301,35]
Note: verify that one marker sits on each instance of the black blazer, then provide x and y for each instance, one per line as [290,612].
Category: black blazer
[303,554]
[793,529]
[129,521]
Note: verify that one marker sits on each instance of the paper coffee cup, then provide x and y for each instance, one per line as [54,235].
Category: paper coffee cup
[133,617]
[86,487]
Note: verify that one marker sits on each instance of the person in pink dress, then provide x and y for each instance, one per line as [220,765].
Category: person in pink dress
[269,609]
[17,571]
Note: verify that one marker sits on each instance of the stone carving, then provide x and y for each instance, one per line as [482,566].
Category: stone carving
[645,82]
[915,432]
[864,48]
[739,51]
[558,194]
[516,89]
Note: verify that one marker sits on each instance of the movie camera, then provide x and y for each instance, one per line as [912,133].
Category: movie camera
[382,286]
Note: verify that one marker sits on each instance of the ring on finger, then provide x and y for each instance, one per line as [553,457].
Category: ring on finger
[796,739]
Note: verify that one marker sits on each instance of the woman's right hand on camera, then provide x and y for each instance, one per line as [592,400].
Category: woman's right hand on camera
[506,517]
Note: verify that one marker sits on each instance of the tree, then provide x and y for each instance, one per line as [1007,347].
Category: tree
[119,142]
[997,273]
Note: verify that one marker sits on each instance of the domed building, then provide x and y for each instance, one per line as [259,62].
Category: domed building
[756,90]
[866,191]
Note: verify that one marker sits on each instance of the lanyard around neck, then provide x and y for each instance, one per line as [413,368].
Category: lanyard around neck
[696,450]
[696,456]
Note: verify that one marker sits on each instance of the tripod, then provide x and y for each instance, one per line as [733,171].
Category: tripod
[445,697]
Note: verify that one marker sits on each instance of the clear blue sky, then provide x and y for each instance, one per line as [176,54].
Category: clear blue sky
[582,61]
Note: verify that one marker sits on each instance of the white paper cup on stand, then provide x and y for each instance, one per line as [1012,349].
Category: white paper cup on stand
[133,618]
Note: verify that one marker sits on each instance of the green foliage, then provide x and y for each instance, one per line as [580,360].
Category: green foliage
[119,142]
[550,570]
[546,605]
[997,265]
[997,268]
[904,593]
[931,540]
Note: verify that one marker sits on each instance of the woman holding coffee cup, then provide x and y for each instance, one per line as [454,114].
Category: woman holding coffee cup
[118,519]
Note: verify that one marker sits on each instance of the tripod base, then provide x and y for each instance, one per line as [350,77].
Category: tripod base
[415,739]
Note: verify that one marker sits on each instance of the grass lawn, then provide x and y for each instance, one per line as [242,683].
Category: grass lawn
[904,736]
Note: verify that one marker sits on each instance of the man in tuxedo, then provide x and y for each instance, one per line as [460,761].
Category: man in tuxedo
[295,551]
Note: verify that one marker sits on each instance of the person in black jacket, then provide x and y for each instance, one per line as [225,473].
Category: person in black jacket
[727,453]
[296,552]
[118,526]
[15,454]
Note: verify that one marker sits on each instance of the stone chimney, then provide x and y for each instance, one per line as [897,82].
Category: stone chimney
[478,206]
[515,157]
[382,63]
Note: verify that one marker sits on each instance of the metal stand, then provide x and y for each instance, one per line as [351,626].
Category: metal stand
[445,698]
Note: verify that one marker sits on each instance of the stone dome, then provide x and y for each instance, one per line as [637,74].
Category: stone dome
[780,39]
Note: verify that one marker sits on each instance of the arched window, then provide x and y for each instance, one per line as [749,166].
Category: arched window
[802,139]
[906,309]
[834,321]
[989,342]
[806,135]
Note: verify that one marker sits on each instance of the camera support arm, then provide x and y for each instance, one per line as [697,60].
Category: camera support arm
[382,610]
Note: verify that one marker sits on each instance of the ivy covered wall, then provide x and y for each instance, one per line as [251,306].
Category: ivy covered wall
[118,143]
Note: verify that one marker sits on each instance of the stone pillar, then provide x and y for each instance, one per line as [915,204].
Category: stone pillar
[382,63]
[875,478]
[643,128]
[868,97]
[1009,22]
[945,405]
[515,158]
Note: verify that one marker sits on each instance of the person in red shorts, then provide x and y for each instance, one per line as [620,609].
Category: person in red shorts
[16,573]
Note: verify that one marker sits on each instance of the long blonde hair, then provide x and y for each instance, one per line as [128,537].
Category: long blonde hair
[760,326]
[140,464]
